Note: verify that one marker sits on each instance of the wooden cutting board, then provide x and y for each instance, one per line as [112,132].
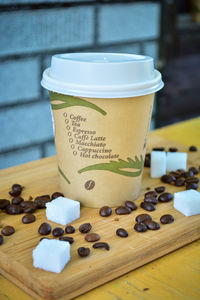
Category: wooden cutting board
[83,274]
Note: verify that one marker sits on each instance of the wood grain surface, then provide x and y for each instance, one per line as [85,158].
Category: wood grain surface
[81,275]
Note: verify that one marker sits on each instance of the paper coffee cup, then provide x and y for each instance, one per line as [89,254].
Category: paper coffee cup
[102,106]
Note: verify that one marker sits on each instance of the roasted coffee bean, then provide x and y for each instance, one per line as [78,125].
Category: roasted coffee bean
[44,229]
[148,206]
[4,203]
[173,149]
[85,228]
[152,225]
[147,161]
[105,211]
[1,239]
[83,252]
[166,219]
[150,194]
[101,245]
[58,231]
[121,232]
[167,178]
[192,186]
[28,219]
[69,229]
[160,189]
[24,204]
[192,180]
[17,200]
[158,149]
[30,208]
[175,174]
[143,217]
[56,195]
[180,171]
[16,190]
[194,170]
[165,197]
[193,149]
[14,209]
[8,230]
[131,205]
[180,182]
[67,239]
[152,200]
[42,200]
[188,174]
[140,227]
[92,237]
[123,210]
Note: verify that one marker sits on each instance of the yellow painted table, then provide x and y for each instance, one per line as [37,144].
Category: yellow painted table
[174,276]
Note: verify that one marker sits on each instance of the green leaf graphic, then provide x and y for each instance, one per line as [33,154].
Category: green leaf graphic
[63,175]
[118,166]
[67,101]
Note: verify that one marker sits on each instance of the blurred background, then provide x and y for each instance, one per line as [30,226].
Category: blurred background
[31,31]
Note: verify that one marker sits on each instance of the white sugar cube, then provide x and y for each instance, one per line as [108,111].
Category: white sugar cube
[187,202]
[62,210]
[51,255]
[158,163]
[176,160]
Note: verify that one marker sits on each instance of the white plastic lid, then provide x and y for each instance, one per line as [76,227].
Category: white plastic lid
[102,75]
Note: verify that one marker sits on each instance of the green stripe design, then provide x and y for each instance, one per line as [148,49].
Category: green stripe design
[119,166]
[63,175]
[67,101]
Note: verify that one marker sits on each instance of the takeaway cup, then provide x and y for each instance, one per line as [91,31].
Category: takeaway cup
[102,106]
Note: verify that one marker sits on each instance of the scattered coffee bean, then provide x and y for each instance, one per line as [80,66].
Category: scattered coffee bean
[67,239]
[175,174]
[85,228]
[58,231]
[192,186]
[16,190]
[148,206]
[152,200]
[8,230]
[105,211]
[1,239]
[42,200]
[160,189]
[166,219]
[193,149]
[131,205]
[192,180]
[101,245]
[92,237]
[165,197]
[140,227]
[180,182]
[173,149]
[194,170]
[69,229]
[56,195]
[188,174]
[143,217]
[180,171]
[167,178]
[14,209]
[17,200]
[152,225]
[28,219]
[30,208]
[123,210]
[4,203]
[122,232]
[83,252]
[147,161]
[158,149]
[26,203]
[44,229]
[150,194]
